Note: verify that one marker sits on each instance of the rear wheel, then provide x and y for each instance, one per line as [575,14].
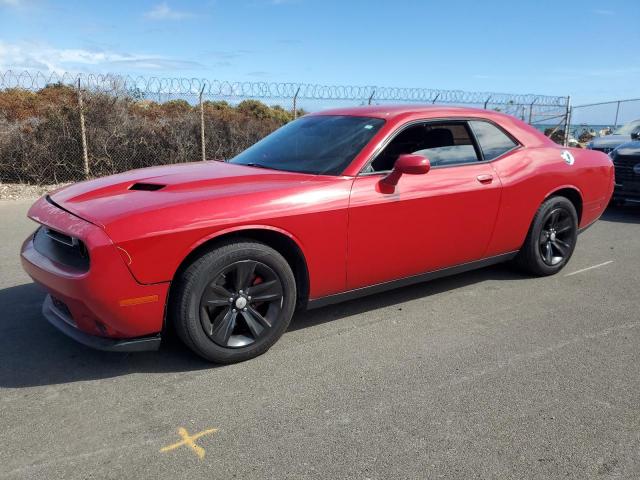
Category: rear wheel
[234,302]
[551,239]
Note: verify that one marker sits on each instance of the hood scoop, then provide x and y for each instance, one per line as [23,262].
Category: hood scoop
[147,187]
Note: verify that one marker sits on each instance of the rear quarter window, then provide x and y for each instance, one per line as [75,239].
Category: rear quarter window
[492,140]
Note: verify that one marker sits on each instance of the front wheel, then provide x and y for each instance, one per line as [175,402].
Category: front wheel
[551,239]
[234,302]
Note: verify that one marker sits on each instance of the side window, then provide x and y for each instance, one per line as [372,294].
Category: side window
[493,141]
[441,143]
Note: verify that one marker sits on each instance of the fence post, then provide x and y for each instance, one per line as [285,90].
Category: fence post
[617,111]
[83,133]
[295,104]
[371,97]
[202,142]
[531,110]
[436,98]
[567,122]
[486,102]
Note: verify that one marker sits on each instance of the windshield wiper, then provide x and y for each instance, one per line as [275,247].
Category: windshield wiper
[258,165]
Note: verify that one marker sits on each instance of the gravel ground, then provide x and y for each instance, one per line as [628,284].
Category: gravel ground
[22,191]
[487,374]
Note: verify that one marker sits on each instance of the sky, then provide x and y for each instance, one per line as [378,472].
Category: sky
[587,49]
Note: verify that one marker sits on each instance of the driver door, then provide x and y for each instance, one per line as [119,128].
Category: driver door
[428,222]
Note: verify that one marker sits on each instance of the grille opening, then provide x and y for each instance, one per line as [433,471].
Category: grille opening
[64,310]
[61,237]
[147,187]
[61,248]
[625,173]
[60,305]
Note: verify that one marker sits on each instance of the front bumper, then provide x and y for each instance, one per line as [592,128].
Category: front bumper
[103,306]
[60,319]
[626,193]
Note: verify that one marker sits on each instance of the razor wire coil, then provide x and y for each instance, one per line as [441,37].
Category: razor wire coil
[35,80]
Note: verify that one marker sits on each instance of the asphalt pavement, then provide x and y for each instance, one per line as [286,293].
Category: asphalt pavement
[488,374]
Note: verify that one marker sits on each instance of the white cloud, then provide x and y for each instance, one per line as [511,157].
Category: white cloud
[163,11]
[10,3]
[37,56]
[604,12]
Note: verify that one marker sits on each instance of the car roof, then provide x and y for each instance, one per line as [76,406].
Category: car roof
[393,111]
[397,115]
[526,134]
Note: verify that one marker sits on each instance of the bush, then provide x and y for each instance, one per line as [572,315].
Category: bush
[557,135]
[40,139]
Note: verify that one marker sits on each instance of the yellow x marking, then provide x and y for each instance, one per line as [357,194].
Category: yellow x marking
[190,441]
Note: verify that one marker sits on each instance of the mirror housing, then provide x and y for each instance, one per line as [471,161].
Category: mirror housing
[410,164]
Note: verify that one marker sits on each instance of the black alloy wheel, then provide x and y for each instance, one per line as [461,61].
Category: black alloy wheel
[241,304]
[551,239]
[233,301]
[557,236]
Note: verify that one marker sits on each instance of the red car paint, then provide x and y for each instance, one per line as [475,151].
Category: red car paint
[351,232]
[94,297]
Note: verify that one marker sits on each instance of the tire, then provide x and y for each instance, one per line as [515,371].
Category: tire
[549,246]
[233,302]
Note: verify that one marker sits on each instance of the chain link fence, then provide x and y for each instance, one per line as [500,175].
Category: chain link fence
[57,128]
[602,118]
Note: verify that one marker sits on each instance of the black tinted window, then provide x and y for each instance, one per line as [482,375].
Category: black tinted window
[493,141]
[441,143]
[322,144]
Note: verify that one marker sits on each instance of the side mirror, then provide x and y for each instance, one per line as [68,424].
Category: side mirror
[409,164]
[635,135]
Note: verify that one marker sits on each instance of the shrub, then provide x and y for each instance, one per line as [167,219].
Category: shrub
[557,135]
[40,139]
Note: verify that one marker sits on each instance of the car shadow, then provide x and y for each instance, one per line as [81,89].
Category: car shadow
[622,214]
[401,295]
[34,353]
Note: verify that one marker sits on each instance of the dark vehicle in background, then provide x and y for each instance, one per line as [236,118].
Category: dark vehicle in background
[626,160]
[622,135]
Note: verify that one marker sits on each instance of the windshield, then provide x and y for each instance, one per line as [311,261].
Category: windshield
[318,144]
[628,128]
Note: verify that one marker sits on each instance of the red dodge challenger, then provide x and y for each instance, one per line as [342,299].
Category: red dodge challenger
[332,206]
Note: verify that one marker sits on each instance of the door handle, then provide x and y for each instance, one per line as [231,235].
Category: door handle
[485,178]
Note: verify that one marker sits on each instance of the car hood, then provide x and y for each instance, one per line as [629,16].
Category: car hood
[630,149]
[109,199]
[609,141]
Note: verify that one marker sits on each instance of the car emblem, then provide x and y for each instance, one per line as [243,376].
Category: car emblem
[241,302]
[567,157]
[636,169]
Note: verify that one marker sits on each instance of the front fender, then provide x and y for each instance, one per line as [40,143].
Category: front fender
[239,229]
